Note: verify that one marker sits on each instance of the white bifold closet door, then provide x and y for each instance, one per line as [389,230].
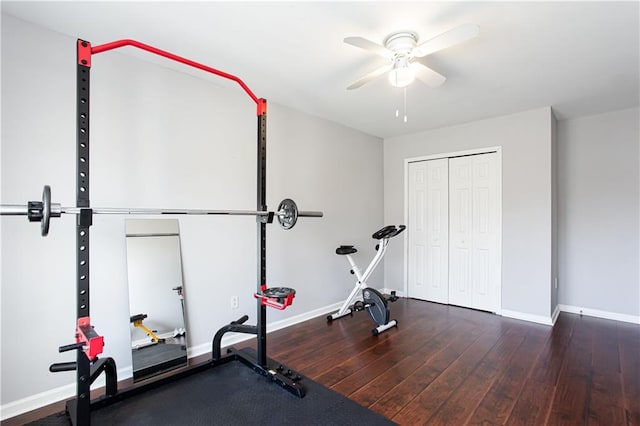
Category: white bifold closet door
[453,231]
[429,234]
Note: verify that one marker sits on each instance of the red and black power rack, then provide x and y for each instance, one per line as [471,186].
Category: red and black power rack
[88,343]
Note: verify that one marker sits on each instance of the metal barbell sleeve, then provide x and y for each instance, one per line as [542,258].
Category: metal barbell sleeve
[14,210]
[306,213]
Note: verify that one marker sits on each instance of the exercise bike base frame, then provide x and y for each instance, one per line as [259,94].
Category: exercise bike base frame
[337,315]
[380,329]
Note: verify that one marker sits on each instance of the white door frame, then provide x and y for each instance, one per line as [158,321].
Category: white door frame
[498,151]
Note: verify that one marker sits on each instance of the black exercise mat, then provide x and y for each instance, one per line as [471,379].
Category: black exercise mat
[231,394]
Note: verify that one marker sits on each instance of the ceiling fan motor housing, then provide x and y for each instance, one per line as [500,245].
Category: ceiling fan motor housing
[401,43]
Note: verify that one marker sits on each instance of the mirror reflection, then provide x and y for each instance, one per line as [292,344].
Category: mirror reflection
[156,296]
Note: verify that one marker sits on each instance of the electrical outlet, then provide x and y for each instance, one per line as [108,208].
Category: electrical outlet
[235,302]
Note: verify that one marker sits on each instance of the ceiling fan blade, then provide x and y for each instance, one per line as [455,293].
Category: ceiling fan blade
[446,39]
[365,44]
[427,75]
[371,76]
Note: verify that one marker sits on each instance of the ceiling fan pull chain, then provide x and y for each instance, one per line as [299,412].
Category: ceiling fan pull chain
[405,104]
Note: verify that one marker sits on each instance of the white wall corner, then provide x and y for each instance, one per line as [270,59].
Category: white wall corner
[555,314]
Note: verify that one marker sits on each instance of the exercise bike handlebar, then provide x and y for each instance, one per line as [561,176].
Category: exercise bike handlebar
[399,230]
[388,232]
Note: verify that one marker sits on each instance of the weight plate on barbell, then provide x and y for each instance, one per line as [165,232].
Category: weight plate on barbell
[46,210]
[290,216]
[278,292]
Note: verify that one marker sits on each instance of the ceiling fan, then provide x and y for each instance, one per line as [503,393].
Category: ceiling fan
[405,54]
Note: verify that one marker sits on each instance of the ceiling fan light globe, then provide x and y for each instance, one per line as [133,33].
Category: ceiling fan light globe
[402,76]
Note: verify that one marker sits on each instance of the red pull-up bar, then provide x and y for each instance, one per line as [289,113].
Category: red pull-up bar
[261,103]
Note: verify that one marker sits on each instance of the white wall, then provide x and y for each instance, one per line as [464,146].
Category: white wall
[526,141]
[161,138]
[598,212]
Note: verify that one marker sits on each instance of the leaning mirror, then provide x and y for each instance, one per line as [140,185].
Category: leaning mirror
[156,296]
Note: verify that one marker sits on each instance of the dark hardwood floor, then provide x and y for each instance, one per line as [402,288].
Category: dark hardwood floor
[455,366]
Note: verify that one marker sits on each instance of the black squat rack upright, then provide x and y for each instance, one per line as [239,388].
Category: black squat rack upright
[88,343]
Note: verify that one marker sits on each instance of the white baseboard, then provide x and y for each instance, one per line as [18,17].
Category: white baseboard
[21,406]
[600,314]
[540,319]
[573,310]
[302,317]
[33,402]
[52,396]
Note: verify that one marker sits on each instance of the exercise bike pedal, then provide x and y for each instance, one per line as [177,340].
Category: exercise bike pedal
[358,306]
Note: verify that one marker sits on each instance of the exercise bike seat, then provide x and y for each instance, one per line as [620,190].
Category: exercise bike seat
[346,250]
[138,317]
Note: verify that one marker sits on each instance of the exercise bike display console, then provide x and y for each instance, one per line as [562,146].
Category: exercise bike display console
[374,302]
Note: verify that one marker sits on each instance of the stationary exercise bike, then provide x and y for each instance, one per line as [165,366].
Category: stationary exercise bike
[374,302]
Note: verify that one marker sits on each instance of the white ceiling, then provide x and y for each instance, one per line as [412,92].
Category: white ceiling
[581,58]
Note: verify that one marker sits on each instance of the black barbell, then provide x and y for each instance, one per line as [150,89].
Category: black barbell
[42,211]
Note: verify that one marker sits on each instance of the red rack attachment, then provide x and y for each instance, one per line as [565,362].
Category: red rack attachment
[276,297]
[85,334]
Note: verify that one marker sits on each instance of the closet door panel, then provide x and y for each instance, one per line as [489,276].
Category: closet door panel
[417,236]
[460,227]
[428,225]
[486,292]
